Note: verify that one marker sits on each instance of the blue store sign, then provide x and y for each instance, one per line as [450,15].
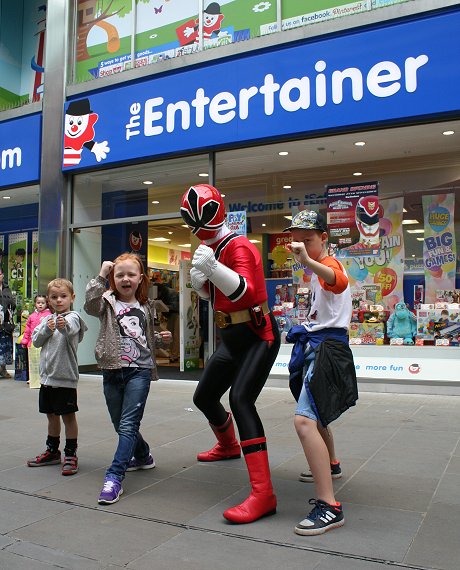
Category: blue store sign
[20,151]
[395,73]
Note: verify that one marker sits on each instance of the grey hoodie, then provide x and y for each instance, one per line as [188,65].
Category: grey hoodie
[58,357]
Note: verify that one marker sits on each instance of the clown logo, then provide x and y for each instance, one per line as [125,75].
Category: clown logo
[414,368]
[79,133]
[135,241]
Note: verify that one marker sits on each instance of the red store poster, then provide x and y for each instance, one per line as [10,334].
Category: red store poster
[353,219]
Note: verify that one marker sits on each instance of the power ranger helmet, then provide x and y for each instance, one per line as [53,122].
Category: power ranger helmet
[203,210]
[367,218]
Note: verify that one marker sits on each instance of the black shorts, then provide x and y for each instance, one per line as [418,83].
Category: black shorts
[58,401]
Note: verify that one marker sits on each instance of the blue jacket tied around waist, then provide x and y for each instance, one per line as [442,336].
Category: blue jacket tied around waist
[333,386]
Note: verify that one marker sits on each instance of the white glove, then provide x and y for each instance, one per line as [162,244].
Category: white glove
[198,278]
[204,260]
[100,150]
[228,281]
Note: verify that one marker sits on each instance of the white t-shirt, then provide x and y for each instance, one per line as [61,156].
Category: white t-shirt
[330,304]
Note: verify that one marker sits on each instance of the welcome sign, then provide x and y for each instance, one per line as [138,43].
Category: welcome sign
[385,74]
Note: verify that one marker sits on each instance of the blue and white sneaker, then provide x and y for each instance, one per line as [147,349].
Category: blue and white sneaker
[322,518]
[136,465]
[111,491]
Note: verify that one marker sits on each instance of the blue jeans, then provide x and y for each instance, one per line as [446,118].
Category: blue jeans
[126,391]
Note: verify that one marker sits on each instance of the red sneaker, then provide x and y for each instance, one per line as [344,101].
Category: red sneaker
[47,458]
[70,466]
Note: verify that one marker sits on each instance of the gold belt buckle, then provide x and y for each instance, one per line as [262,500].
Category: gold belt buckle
[222,319]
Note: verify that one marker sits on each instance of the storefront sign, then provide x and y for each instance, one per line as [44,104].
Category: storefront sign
[439,247]
[406,70]
[20,150]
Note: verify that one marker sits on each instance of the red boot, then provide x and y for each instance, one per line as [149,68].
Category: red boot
[226,447]
[261,501]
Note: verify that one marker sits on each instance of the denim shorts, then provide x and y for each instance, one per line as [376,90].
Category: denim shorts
[304,407]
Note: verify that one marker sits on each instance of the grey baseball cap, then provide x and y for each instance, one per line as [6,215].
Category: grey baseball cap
[308,220]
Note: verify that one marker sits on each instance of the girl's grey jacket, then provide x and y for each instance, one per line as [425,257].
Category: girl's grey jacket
[58,357]
[100,302]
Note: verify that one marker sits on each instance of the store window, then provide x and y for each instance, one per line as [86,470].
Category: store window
[110,38]
[417,171]
[22,53]
[136,208]
[19,247]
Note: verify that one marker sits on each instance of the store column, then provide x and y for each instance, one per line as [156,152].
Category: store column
[52,218]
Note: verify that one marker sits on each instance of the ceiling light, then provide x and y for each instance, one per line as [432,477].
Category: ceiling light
[184,225]
[288,217]
[415,231]
[360,143]
[404,211]
[6,197]
[357,173]
[413,255]
[283,153]
[147,182]
[263,225]
[254,241]
[170,233]
[184,244]
[409,222]
[287,187]
[203,174]
[419,239]
[223,195]
[155,202]
[159,239]
[448,133]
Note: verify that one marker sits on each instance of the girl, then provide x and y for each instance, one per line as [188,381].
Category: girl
[125,350]
[41,311]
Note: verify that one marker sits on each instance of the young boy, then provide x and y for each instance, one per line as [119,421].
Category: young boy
[328,318]
[58,336]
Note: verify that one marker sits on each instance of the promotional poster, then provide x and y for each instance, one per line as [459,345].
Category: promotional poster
[387,268]
[353,219]
[439,247]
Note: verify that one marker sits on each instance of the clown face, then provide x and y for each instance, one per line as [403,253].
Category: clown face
[75,125]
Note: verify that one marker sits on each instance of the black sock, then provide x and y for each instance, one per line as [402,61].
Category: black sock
[70,447]
[52,443]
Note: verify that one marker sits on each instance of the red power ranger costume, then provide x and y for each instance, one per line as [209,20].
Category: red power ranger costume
[227,269]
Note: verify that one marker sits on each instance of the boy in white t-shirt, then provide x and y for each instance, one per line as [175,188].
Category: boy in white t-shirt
[328,318]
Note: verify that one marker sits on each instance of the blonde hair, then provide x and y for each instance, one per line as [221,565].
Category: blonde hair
[59,283]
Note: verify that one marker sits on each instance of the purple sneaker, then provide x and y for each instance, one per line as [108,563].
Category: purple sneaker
[136,465]
[111,491]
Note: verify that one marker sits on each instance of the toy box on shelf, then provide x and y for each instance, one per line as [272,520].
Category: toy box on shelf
[367,333]
[439,322]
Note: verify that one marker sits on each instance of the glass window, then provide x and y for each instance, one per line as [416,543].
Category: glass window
[140,205]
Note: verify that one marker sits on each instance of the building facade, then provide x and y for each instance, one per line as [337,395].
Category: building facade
[104,127]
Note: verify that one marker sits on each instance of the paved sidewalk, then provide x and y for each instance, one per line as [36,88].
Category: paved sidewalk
[401,489]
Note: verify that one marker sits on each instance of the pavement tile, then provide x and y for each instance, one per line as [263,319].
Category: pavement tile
[437,542]
[97,534]
[195,550]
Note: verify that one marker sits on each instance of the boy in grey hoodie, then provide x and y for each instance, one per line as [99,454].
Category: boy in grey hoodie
[58,336]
